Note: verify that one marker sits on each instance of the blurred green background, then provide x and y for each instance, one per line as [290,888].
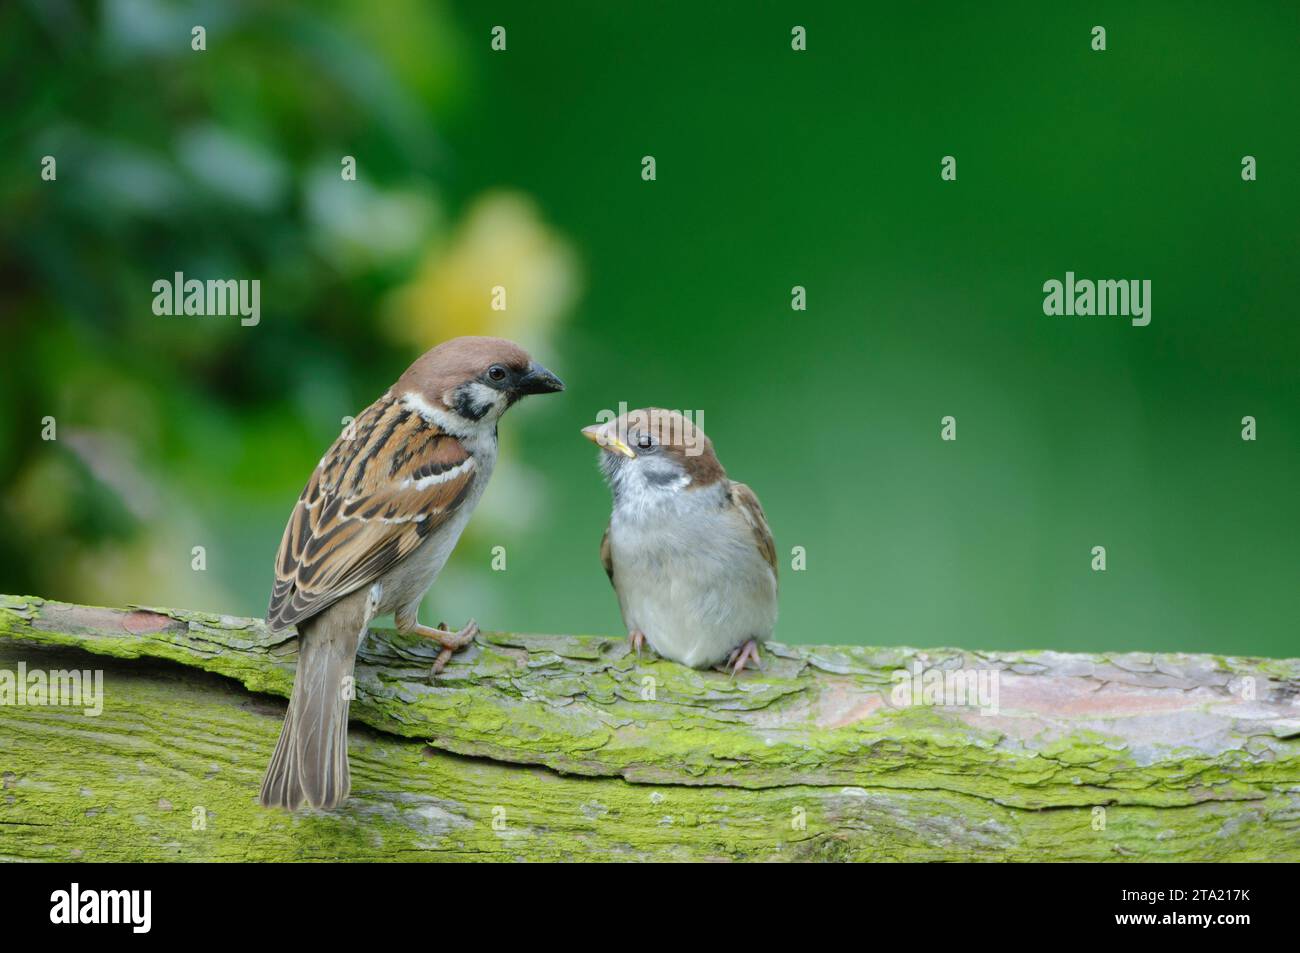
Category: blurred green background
[522,168]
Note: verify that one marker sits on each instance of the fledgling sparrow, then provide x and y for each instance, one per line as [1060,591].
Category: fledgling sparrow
[689,551]
[370,533]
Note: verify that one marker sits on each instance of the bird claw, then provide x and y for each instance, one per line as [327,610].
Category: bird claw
[450,641]
[736,662]
[636,639]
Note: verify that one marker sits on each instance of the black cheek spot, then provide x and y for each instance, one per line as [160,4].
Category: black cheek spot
[658,477]
[468,407]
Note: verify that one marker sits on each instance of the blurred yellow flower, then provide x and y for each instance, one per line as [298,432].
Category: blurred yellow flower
[502,243]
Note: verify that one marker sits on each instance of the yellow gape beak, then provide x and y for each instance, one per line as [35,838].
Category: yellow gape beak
[606,441]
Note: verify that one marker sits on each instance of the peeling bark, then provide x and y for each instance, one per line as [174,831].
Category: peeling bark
[572,748]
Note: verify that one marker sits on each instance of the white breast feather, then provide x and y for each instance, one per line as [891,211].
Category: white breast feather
[689,576]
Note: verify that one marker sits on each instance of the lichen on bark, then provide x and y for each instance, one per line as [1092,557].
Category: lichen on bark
[548,747]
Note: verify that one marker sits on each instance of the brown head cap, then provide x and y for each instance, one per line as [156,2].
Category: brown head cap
[452,363]
[655,430]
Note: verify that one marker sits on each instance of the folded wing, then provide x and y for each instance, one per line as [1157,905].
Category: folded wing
[386,484]
[743,498]
[607,555]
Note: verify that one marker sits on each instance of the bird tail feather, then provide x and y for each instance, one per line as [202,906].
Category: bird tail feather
[310,762]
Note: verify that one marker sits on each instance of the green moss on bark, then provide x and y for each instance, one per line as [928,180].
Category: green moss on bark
[577,749]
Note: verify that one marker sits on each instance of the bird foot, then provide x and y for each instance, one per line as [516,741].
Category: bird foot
[736,662]
[636,639]
[450,641]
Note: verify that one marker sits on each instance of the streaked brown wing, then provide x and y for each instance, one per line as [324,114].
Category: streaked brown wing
[747,503]
[374,497]
[607,556]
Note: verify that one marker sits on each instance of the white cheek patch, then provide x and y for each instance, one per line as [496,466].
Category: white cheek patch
[488,402]
[658,472]
[439,418]
[448,421]
[640,491]
[668,482]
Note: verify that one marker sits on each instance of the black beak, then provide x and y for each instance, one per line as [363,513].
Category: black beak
[538,380]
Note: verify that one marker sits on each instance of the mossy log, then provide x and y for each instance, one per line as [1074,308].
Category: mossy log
[539,747]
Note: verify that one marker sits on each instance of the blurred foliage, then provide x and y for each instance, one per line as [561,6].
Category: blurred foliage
[182,432]
[774,169]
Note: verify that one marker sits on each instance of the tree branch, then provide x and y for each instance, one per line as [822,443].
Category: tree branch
[573,748]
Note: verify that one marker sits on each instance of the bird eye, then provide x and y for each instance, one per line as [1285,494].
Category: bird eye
[496,373]
[644,443]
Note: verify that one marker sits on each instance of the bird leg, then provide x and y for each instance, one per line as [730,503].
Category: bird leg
[450,641]
[636,639]
[739,656]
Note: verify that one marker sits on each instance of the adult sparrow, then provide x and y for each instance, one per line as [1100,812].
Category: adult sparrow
[370,533]
[688,551]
